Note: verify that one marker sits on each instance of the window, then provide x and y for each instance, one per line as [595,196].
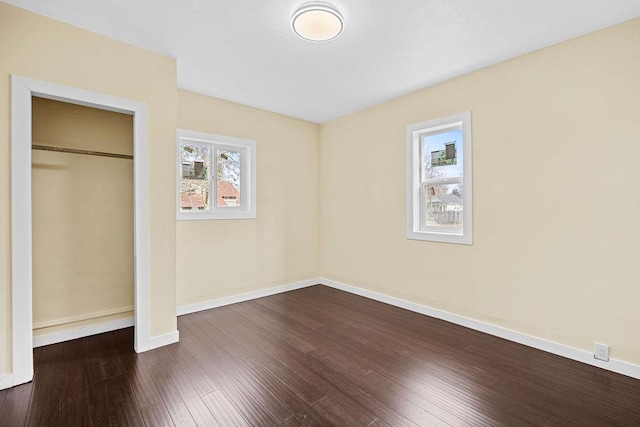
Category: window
[439,180]
[216,176]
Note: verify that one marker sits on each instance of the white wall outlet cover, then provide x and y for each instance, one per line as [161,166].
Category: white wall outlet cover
[601,352]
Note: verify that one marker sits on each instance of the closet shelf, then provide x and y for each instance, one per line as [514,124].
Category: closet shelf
[84,152]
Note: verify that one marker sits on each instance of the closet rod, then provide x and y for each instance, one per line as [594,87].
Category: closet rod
[86,152]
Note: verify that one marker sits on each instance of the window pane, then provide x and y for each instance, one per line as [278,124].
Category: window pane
[228,177]
[195,180]
[443,205]
[442,155]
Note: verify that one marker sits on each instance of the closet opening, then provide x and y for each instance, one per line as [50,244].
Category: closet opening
[82,221]
[74,201]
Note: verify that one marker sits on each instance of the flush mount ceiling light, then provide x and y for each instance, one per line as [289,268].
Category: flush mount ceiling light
[317,22]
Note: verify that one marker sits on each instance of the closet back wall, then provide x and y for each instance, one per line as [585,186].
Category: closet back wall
[83,257]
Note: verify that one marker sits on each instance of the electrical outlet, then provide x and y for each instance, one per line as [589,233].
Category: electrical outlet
[601,352]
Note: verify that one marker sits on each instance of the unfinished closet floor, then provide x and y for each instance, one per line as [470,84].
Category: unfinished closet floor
[315,356]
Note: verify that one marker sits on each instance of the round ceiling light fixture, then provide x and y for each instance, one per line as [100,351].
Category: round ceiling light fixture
[317,22]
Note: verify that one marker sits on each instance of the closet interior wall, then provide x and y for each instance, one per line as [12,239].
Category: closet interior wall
[83,254]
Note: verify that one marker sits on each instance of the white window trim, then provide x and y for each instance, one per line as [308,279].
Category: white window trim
[247,208]
[414,181]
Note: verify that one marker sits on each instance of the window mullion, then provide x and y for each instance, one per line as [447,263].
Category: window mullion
[213,178]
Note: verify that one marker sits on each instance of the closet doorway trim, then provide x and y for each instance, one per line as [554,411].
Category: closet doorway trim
[22,90]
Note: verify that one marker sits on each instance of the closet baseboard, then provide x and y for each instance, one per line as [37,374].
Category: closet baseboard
[81,331]
[82,317]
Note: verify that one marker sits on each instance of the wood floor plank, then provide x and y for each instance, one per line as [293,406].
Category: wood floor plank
[541,403]
[312,311]
[289,356]
[163,355]
[156,414]
[357,393]
[421,378]
[172,385]
[162,380]
[201,382]
[334,414]
[427,381]
[188,394]
[379,382]
[73,410]
[109,361]
[291,338]
[3,395]
[289,398]
[294,391]
[382,397]
[223,410]
[316,340]
[36,358]
[324,379]
[378,423]
[15,409]
[244,401]
[95,387]
[122,406]
[367,313]
[143,385]
[262,390]
[179,413]
[296,316]
[315,357]
[420,356]
[578,382]
[201,414]
[392,351]
[292,421]
[124,351]
[296,383]
[227,356]
[405,336]
[45,401]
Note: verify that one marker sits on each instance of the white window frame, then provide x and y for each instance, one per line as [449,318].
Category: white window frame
[247,148]
[415,202]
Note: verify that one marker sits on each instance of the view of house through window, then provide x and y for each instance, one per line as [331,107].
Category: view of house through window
[195,183]
[439,202]
[194,171]
[228,178]
[442,179]
[216,176]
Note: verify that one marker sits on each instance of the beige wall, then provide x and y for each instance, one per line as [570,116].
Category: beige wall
[45,49]
[82,216]
[221,258]
[554,143]
[555,150]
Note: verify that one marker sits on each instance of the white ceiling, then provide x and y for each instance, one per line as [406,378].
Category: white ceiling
[245,51]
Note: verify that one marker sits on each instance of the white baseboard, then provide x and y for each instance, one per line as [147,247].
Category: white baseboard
[614,365]
[6,381]
[219,302]
[81,331]
[82,317]
[160,341]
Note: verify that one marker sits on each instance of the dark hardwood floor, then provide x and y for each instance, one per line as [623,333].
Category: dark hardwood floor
[315,357]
